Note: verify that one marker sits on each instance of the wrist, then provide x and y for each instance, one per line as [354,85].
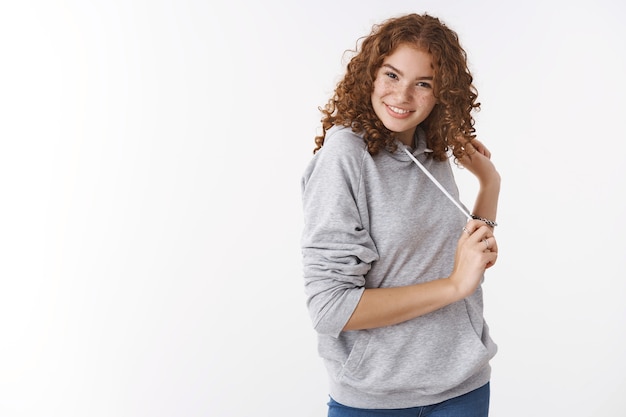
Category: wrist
[456,290]
[490,223]
[491,180]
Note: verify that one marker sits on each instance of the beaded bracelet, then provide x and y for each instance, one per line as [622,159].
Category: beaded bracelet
[488,222]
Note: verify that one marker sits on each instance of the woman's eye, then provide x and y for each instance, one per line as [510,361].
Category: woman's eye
[423,84]
[391,75]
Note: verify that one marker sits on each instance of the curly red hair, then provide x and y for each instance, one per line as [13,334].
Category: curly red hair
[449,126]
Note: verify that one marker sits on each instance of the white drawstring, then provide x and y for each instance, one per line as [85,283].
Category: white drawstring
[434,180]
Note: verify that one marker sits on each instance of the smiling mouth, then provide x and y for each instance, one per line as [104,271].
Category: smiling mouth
[398,110]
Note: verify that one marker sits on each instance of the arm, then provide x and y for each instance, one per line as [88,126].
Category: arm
[387,306]
[479,163]
[338,252]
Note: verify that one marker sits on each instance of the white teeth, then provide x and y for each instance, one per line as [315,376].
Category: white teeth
[398,110]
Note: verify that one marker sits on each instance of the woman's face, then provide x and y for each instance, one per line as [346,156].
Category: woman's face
[403,91]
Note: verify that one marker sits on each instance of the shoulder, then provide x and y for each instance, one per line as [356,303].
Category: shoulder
[340,137]
[341,156]
[342,144]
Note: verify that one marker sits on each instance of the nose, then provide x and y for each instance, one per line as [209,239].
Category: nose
[404,91]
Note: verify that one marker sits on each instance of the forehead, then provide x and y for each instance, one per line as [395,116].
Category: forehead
[408,58]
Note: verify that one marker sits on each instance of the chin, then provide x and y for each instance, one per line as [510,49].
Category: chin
[399,130]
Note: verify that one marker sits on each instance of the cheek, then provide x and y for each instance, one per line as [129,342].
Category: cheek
[427,100]
[381,87]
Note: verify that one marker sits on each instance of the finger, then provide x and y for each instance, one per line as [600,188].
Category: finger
[493,245]
[473,225]
[492,258]
[481,148]
[490,244]
[484,238]
[469,149]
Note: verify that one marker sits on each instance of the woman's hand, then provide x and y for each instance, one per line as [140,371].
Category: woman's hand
[477,160]
[476,251]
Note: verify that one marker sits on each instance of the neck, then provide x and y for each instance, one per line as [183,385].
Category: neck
[407,137]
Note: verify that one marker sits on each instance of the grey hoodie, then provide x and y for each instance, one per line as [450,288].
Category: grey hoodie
[379,221]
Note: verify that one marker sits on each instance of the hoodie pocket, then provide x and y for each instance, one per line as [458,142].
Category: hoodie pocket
[353,362]
[423,356]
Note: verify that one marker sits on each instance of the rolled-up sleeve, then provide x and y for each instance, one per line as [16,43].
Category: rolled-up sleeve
[337,250]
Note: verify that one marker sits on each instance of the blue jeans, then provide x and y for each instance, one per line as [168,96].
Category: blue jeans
[472,404]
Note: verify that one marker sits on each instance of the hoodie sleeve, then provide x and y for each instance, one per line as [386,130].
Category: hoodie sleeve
[337,250]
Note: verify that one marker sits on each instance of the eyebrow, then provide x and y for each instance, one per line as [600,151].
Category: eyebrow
[402,74]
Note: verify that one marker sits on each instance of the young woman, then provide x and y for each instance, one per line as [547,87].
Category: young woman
[392,268]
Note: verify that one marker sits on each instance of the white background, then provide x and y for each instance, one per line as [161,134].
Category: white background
[150,161]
